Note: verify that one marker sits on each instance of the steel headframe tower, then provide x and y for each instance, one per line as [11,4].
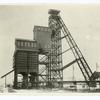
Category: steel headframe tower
[55,72]
[57,26]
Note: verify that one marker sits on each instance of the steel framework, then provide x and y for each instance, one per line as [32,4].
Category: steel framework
[52,74]
[55,59]
[56,23]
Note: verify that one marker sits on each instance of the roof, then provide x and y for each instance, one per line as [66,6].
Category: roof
[19,39]
[54,12]
[41,28]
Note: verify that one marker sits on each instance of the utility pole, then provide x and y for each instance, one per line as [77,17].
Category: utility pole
[97,67]
[5,82]
[73,73]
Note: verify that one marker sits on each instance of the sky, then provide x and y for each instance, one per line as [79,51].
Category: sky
[82,20]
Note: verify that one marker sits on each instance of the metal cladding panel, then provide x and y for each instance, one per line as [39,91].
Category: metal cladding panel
[23,44]
[26,61]
[43,37]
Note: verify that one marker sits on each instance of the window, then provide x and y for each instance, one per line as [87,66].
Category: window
[39,28]
[21,44]
[32,45]
[35,45]
[25,44]
[28,44]
[18,43]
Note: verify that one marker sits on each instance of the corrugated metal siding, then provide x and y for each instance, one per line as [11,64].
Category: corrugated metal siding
[43,36]
[26,61]
[26,56]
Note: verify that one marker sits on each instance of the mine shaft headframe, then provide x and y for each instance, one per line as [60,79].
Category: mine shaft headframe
[55,23]
[54,12]
[54,15]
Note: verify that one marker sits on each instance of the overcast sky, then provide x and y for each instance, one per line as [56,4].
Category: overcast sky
[83,21]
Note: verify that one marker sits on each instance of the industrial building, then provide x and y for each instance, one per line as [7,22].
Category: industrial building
[38,62]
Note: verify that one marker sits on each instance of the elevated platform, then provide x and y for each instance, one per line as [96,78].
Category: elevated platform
[54,12]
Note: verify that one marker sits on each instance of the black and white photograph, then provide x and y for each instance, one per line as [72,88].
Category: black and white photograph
[49,48]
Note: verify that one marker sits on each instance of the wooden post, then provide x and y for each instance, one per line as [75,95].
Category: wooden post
[5,82]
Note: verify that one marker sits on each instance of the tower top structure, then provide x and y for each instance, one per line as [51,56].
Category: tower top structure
[54,12]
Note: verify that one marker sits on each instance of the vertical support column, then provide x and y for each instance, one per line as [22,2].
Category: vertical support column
[25,80]
[15,79]
[5,82]
[55,63]
[49,70]
[56,57]
[37,82]
[26,77]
